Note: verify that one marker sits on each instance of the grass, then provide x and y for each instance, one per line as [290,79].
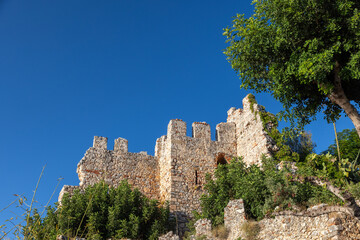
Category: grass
[251,229]
[20,223]
[220,232]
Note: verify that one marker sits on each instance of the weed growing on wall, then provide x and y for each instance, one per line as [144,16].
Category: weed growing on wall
[270,124]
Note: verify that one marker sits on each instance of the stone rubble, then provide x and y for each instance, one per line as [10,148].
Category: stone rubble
[169,236]
[317,222]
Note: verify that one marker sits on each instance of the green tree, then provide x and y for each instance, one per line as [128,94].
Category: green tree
[301,143]
[305,52]
[349,144]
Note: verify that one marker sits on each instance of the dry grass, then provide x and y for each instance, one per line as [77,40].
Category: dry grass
[220,232]
[250,229]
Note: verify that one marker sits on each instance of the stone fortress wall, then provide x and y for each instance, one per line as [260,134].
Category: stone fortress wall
[177,171]
[177,174]
[140,169]
[318,222]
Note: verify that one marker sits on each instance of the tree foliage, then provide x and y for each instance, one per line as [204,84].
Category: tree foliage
[301,143]
[102,212]
[349,144]
[261,189]
[305,52]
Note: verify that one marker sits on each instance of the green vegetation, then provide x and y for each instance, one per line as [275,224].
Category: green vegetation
[270,124]
[101,212]
[349,144]
[251,229]
[220,232]
[305,53]
[261,189]
[266,188]
[301,143]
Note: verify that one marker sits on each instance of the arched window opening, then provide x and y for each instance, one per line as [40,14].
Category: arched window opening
[220,159]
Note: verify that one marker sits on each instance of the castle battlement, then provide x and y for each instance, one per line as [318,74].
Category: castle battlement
[177,171]
[100,142]
[121,145]
[201,130]
[225,131]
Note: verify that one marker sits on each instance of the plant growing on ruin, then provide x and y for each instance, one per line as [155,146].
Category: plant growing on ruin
[354,189]
[102,212]
[326,166]
[220,232]
[251,229]
[270,125]
[262,189]
[306,53]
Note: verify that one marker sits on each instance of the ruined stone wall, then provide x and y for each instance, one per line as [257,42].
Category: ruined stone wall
[318,222]
[163,148]
[177,171]
[189,159]
[251,138]
[140,169]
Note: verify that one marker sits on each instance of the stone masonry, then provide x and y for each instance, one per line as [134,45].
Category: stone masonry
[318,222]
[177,171]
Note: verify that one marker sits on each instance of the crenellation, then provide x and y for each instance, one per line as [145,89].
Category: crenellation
[100,142]
[201,130]
[160,145]
[234,115]
[176,127]
[121,145]
[225,132]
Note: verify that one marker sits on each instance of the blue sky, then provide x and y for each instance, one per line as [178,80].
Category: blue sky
[70,70]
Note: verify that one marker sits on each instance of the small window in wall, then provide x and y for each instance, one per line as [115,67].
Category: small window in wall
[220,159]
[196,177]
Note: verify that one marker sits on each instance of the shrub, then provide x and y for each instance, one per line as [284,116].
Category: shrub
[328,167]
[261,189]
[102,212]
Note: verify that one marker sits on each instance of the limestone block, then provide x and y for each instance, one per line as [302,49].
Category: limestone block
[121,145]
[225,132]
[234,217]
[176,127]
[203,228]
[100,142]
[201,130]
[169,236]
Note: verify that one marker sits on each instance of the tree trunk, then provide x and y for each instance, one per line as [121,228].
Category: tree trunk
[337,96]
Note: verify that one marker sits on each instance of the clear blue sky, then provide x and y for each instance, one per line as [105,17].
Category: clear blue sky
[70,70]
